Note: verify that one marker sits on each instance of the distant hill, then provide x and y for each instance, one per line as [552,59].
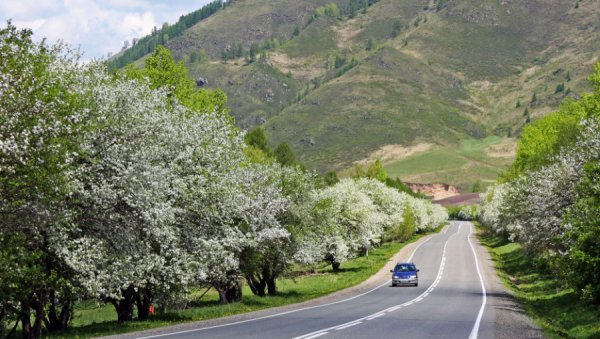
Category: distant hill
[410,72]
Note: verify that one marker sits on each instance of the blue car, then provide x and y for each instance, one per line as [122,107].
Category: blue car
[405,274]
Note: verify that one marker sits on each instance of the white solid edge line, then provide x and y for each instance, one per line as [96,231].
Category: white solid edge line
[393,308]
[283,313]
[317,335]
[341,328]
[475,330]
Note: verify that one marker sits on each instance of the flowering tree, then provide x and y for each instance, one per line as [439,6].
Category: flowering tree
[41,120]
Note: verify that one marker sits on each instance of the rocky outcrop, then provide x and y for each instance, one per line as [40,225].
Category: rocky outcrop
[436,191]
[201,82]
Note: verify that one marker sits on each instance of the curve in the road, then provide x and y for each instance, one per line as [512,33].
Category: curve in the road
[390,309]
[454,310]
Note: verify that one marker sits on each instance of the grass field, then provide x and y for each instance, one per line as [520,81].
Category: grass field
[93,320]
[558,311]
[460,166]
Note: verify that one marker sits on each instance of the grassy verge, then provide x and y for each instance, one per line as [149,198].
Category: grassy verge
[558,311]
[96,321]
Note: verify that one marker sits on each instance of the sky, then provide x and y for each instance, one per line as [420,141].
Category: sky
[98,26]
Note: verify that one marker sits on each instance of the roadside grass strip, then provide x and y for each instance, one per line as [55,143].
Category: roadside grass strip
[557,309]
[390,309]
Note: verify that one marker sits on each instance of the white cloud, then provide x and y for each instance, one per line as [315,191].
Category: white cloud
[98,26]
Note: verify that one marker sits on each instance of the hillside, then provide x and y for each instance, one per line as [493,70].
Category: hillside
[415,72]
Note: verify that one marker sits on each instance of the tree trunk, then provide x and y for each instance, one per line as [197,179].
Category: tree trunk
[143,300]
[234,293]
[54,321]
[222,296]
[124,307]
[26,320]
[335,266]
[272,285]
[39,318]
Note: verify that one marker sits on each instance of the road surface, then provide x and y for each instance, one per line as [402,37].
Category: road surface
[450,302]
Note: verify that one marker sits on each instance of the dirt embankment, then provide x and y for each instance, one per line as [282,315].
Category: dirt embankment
[459,200]
[436,191]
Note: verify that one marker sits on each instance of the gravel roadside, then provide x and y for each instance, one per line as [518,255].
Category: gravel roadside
[510,320]
[378,278]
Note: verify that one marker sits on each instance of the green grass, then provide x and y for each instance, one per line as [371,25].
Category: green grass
[93,321]
[425,162]
[460,165]
[558,311]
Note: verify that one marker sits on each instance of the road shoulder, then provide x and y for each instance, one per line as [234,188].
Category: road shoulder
[510,321]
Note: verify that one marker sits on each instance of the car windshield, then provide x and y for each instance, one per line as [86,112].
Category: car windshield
[405,268]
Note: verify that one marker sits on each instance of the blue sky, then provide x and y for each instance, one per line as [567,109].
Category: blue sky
[99,26]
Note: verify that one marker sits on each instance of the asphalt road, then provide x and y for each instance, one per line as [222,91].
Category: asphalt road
[448,303]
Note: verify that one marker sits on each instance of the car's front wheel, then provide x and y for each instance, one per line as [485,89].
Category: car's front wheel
[417,284]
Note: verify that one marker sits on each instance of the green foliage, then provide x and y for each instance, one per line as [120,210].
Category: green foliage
[577,4]
[581,266]
[331,178]
[560,88]
[254,50]
[339,61]
[534,98]
[402,187]
[568,76]
[440,4]
[397,28]
[285,155]
[542,140]
[416,22]
[376,171]
[289,74]
[257,138]
[477,186]
[194,57]
[526,112]
[403,230]
[159,37]
[162,71]
[370,44]
[296,31]
[518,103]
[353,63]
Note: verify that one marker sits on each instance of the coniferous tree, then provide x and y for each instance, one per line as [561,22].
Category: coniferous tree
[339,61]
[331,178]
[568,76]
[518,103]
[285,155]
[289,74]
[370,44]
[240,50]
[477,187]
[296,31]
[526,113]
[528,120]
[533,98]
[257,138]
[396,29]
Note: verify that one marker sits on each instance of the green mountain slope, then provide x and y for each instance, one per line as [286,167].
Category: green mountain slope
[438,72]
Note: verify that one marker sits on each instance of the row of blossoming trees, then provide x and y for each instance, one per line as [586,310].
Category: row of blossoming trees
[549,200]
[131,188]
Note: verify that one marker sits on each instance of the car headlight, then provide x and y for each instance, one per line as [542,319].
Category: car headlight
[413,276]
[396,277]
